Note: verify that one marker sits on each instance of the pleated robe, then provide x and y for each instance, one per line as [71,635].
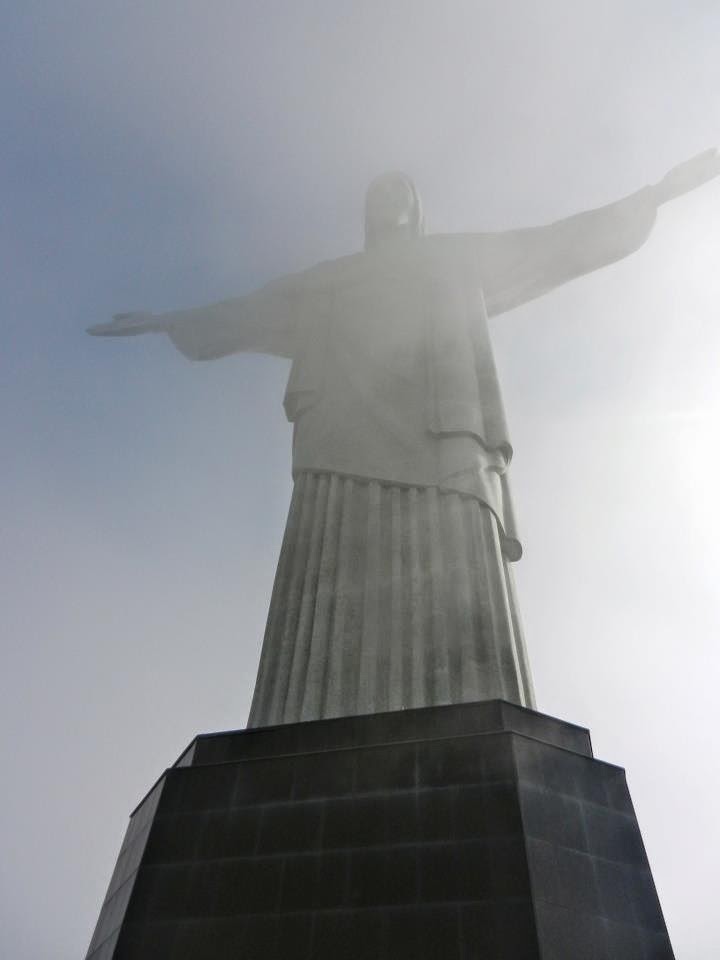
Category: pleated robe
[387,597]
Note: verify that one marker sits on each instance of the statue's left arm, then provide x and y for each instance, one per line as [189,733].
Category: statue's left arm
[521,265]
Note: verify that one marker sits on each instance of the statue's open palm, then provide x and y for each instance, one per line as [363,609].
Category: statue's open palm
[128,325]
[689,175]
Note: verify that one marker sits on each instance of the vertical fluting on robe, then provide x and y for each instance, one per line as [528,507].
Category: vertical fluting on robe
[386,598]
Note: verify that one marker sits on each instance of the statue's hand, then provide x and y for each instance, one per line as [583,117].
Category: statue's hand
[689,175]
[128,325]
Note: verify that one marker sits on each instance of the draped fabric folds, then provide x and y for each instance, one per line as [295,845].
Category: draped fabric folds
[387,597]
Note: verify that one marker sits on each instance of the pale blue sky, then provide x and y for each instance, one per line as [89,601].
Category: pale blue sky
[165,153]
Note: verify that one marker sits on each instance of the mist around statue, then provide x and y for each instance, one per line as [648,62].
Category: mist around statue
[168,158]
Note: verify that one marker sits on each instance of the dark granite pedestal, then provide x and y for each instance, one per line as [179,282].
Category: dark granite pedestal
[471,832]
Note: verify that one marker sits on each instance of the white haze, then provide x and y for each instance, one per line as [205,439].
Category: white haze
[169,153]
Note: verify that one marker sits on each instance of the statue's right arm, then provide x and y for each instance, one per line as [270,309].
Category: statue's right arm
[520,265]
[262,322]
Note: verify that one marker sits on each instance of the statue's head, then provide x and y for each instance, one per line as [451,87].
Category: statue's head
[392,209]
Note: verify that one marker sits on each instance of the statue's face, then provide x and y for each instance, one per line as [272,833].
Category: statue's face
[392,208]
[390,201]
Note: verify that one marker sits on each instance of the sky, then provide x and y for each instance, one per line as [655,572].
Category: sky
[168,153]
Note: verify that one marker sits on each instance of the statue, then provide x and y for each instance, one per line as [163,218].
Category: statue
[394,588]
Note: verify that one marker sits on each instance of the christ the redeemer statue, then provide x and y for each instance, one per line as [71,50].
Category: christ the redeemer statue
[393,587]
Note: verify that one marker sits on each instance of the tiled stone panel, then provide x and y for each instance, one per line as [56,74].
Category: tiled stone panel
[112,914]
[481,832]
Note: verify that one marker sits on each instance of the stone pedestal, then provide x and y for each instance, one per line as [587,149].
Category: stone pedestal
[476,832]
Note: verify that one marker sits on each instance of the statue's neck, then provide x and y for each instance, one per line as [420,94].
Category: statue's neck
[393,238]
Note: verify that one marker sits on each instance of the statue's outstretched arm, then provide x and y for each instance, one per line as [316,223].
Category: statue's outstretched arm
[262,322]
[521,265]
[687,176]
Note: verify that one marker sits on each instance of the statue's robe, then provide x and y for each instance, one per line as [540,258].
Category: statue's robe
[393,588]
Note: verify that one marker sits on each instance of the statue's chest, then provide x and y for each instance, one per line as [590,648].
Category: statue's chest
[383,310]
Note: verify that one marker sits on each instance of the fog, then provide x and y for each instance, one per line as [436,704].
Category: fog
[165,154]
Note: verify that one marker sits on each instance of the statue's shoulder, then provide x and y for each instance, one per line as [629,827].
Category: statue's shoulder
[330,273]
[366,264]
[456,254]
[434,253]
[484,252]
[458,244]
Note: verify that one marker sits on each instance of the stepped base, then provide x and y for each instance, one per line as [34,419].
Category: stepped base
[472,832]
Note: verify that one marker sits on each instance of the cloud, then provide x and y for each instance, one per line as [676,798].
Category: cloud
[166,153]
